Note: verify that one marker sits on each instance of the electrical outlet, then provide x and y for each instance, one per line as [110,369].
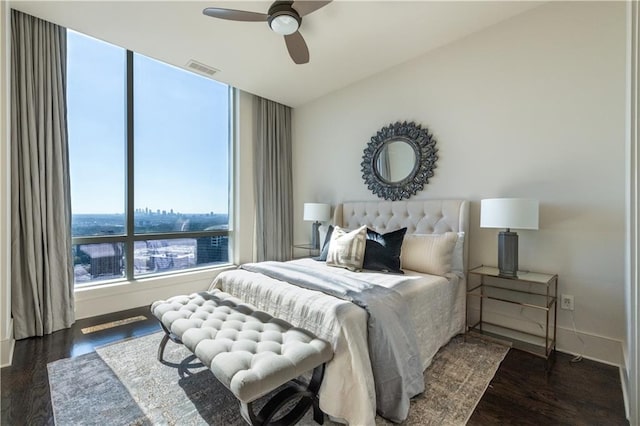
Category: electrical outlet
[566,301]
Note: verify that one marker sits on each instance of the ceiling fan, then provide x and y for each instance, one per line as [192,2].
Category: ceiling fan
[283,17]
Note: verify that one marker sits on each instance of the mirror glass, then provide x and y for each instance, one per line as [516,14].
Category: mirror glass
[395,161]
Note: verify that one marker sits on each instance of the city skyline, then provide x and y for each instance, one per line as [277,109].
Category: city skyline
[147,210]
[97,224]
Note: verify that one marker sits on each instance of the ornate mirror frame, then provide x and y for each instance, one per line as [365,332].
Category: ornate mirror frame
[424,147]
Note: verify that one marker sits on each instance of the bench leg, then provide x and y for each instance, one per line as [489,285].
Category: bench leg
[314,386]
[308,398]
[163,343]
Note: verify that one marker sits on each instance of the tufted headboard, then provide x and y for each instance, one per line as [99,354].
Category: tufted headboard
[419,216]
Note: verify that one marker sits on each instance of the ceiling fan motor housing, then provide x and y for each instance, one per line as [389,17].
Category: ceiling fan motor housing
[283,19]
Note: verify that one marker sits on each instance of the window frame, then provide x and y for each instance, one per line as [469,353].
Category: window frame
[129,238]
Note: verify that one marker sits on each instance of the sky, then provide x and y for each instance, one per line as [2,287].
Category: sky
[181,125]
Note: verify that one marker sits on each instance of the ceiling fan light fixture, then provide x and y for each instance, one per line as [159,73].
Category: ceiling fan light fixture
[284,23]
[284,18]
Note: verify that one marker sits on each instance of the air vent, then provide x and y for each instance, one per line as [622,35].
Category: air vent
[201,68]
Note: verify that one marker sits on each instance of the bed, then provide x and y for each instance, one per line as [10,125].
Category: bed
[436,303]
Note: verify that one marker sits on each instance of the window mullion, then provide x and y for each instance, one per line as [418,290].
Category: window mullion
[129,242]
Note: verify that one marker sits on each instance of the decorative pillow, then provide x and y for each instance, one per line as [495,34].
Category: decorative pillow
[324,248]
[457,264]
[346,249]
[382,252]
[429,253]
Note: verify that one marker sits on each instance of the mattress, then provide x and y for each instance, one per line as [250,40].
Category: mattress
[347,392]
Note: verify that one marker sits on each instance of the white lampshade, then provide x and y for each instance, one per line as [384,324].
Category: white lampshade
[511,213]
[317,212]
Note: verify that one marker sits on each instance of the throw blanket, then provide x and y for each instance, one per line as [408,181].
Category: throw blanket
[395,359]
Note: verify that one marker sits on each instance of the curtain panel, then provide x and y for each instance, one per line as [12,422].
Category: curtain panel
[273,181]
[42,281]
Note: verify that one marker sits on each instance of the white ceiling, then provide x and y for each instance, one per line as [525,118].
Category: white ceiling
[348,40]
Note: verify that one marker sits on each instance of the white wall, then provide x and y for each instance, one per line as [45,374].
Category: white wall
[630,373]
[243,179]
[531,107]
[6,327]
[6,324]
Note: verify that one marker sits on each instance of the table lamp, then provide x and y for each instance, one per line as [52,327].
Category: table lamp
[517,213]
[316,212]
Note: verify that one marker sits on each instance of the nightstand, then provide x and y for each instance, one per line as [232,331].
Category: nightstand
[530,291]
[311,250]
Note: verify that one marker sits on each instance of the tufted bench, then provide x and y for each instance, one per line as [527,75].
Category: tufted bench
[249,351]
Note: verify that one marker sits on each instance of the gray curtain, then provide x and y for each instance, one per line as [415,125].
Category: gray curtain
[41,263]
[273,181]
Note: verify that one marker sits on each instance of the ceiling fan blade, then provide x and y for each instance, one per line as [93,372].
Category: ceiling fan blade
[235,15]
[297,48]
[306,7]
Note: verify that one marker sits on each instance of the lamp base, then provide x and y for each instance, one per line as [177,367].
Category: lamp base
[508,254]
[315,235]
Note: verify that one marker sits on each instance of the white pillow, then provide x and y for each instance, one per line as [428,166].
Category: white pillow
[428,253]
[457,264]
[346,249]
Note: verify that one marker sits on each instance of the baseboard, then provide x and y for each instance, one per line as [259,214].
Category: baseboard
[597,348]
[6,347]
[104,299]
[624,381]
[630,407]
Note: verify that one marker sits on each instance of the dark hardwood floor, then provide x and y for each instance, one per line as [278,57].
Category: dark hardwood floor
[25,384]
[584,393]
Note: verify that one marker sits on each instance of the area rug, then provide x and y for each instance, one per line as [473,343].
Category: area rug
[124,384]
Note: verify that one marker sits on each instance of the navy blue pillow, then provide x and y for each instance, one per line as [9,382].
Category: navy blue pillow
[325,247]
[382,252]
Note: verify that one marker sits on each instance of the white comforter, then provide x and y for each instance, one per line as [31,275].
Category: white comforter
[347,391]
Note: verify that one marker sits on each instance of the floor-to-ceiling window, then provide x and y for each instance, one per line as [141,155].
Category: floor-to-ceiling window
[149,148]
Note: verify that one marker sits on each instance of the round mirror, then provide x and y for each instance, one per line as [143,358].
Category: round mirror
[399,160]
[395,160]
